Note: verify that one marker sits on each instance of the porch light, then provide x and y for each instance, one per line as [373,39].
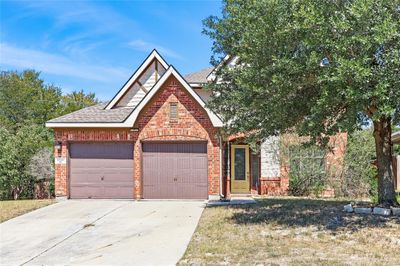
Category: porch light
[57,145]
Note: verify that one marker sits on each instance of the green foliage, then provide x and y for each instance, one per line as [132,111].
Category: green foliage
[280,47]
[307,173]
[15,155]
[25,99]
[76,100]
[26,103]
[360,175]
[313,67]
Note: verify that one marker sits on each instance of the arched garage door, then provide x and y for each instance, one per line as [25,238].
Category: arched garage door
[175,171]
[101,170]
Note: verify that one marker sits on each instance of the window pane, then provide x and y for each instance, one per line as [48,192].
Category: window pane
[173,111]
[240,168]
[255,173]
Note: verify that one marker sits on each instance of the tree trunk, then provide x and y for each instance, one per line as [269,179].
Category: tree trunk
[383,146]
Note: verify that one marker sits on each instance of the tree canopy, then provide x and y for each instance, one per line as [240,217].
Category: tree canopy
[26,103]
[316,67]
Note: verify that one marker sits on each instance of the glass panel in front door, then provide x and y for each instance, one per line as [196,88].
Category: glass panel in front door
[255,173]
[240,164]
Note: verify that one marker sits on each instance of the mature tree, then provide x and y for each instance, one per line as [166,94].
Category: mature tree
[26,103]
[16,151]
[77,100]
[314,66]
[25,99]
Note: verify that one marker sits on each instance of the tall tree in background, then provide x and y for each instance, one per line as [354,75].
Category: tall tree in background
[26,103]
[77,100]
[316,66]
[25,99]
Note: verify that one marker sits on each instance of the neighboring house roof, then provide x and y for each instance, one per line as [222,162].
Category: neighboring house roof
[396,137]
[199,77]
[94,114]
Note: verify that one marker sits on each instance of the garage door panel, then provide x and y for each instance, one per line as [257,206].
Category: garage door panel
[175,170]
[121,192]
[84,191]
[101,170]
[86,178]
[111,150]
[198,162]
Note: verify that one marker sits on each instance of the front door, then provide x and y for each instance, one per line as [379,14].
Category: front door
[240,169]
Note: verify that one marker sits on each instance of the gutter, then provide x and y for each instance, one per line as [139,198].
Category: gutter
[220,168]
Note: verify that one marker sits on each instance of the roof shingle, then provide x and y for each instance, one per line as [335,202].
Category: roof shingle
[95,114]
[199,76]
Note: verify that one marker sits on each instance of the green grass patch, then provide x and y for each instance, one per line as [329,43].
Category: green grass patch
[13,208]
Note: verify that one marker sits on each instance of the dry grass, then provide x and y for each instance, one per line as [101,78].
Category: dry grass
[12,208]
[293,231]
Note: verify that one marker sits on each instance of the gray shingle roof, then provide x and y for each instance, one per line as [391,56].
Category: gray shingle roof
[94,114]
[199,76]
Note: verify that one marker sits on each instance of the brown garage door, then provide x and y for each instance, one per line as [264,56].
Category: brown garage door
[101,170]
[175,171]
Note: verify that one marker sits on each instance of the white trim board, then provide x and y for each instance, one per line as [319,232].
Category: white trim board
[153,55]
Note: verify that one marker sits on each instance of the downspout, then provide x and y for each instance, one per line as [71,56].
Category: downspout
[221,194]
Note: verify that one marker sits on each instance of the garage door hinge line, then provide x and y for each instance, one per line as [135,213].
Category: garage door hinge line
[74,233]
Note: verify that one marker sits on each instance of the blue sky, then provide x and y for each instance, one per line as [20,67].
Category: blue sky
[96,45]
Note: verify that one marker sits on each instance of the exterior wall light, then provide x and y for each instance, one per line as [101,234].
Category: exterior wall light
[57,145]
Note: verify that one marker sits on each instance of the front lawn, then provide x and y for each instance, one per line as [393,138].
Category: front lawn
[12,208]
[293,231]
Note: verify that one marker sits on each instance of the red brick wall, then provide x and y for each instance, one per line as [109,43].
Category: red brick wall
[334,164]
[67,135]
[153,124]
[192,124]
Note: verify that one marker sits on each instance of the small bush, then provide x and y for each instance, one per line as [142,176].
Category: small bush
[307,170]
[359,174]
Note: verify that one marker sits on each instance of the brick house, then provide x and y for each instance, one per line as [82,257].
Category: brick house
[156,139]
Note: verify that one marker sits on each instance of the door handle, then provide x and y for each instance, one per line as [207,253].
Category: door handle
[102,178]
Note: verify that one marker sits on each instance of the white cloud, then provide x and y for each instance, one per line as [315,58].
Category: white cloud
[144,46]
[56,64]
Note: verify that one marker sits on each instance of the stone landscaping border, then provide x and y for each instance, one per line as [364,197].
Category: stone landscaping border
[395,211]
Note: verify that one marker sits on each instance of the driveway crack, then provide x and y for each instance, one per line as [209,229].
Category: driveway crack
[74,233]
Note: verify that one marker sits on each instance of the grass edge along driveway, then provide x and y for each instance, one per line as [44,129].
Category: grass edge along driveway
[13,208]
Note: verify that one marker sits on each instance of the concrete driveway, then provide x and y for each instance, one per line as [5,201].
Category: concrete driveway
[107,232]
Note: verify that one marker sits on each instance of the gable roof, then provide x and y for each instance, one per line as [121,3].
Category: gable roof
[199,77]
[215,120]
[98,116]
[154,55]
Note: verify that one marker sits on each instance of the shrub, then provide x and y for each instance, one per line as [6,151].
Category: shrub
[16,151]
[41,168]
[359,174]
[307,173]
